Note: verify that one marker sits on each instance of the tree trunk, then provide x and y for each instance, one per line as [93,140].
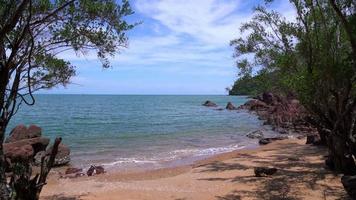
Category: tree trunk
[340,155]
[323,133]
[4,193]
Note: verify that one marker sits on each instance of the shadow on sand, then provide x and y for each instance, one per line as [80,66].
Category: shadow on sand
[293,172]
[62,197]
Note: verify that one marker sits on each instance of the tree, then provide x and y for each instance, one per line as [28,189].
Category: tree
[257,84]
[315,59]
[34,32]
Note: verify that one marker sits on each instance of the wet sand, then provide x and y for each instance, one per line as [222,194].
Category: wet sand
[228,176]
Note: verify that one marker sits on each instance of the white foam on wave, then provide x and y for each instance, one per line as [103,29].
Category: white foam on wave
[173,155]
[130,160]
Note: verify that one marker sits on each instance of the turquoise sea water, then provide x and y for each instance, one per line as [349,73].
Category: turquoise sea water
[132,130]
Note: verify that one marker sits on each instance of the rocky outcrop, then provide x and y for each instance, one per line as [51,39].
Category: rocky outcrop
[21,132]
[27,144]
[210,104]
[230,106]
[254,104]
[284,114]
[25,149]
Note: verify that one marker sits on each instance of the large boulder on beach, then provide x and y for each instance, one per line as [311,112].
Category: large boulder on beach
[22,153]
[230,106]
[23,150]
[63,155]
[210,104]
[21,132]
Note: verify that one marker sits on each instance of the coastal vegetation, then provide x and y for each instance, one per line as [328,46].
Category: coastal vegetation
[253,85]
[312,56]
[33,34]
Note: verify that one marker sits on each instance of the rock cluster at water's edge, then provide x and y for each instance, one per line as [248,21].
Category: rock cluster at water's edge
[26,144]
[284,114]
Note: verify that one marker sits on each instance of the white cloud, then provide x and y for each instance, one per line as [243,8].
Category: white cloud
[209,21]
[181,37]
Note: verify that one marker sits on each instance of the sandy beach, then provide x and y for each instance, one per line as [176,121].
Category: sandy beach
[229,176]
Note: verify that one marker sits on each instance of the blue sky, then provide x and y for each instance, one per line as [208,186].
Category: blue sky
[182,47]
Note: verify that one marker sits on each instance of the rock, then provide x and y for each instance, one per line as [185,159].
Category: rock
[17,133]
[26,148]
[21,132]
[313,139]
[210,104]
[268,98]
[255,134]
[349,183]
[73,170]
[22,153]
[264,171]
[99,170]
[254,104]
[63,155]
[219,109]
[90,171]
[34,131]
[38,158]
[230,106]
[95,170]
[265,141]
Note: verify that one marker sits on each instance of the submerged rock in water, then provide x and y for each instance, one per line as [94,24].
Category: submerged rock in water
[230,106]
[210,104]
[258,134]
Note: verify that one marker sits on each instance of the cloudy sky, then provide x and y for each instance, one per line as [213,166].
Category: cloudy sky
[182,47]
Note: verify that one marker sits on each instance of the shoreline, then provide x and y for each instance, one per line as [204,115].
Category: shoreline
[208,178]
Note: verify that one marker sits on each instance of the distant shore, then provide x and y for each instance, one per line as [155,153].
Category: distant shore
[300,175]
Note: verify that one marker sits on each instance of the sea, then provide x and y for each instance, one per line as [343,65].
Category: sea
[133,131]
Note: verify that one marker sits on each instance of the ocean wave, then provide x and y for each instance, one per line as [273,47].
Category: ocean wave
[175,155]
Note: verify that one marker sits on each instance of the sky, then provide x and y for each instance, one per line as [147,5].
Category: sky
[181,47]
